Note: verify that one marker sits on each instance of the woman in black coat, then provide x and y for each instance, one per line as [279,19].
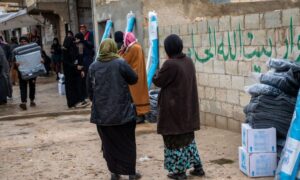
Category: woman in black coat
[72,75]
[178,111]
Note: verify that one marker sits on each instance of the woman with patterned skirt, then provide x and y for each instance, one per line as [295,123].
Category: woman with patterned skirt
[178,111]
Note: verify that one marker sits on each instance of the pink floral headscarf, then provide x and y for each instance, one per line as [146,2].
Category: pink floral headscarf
[129,39]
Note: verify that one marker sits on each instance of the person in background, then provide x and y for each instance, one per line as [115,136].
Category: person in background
[5,48]
[119,39]
[4,77]
[13,71]
[113,111]
[47,62]
[72,74]
[88,35]
[84,62]
[178,111]
[133,54]
[23,83]
[56,56]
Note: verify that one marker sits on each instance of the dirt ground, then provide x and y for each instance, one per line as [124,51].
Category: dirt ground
[68,147]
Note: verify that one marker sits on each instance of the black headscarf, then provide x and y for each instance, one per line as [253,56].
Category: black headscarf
[173,46]
[79,36]
[119,38]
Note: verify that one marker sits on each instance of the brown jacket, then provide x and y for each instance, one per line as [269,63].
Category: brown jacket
[134,56]
[178,100]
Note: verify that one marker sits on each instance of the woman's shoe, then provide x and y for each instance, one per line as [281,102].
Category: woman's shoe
[115,176]
[197,172]
[177,176]
[135,177]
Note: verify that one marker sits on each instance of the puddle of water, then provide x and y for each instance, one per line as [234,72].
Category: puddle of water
[222,161]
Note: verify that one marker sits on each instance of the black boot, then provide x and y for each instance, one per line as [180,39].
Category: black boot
[115,176]
[197,171]
[135,177]
[177,176]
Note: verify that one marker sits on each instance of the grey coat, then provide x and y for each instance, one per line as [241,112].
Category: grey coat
[4,77]
[107,84]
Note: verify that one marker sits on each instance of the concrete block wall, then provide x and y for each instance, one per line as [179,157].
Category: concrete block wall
[226,50]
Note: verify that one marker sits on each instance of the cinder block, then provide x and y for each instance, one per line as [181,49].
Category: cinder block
[202,26]
[227,110]
[236,22]
[224,23]
[249,81]
[204,105]
[238,113]
[201,92]
[287,14]
[225,81]
[221,94]
[272,19]
[234,125]
[238,82]
[192,28]
[202,118]
[205,40]
[244,99]
[231,67]
[221,122]
[187,41]
[176,29]
[215,107]
[210,93]
[271,35]
[252,21]
[203,79]
[210,119]
[197,40]
[183,29]
[199,66]
[259,38]
[213,23]
[233,96]
[244,68]
[219,67]
[208,67]
[167,30]
[214,80]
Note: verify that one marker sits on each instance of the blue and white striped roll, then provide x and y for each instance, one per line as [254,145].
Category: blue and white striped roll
[130,22]
[153,56]
[107,30]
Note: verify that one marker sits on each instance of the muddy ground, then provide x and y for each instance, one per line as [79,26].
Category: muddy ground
[68,147]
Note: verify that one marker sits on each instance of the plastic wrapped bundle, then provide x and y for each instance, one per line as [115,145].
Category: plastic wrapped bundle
[152,115]
[29,58]
[285,81]
[153,56]
[282,65]
[262,89]
[130,22]
[269,111]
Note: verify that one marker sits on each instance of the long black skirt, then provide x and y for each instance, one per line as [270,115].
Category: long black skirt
[73,86]
[119,147]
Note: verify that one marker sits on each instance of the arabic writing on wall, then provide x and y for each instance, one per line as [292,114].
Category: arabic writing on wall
[236,47]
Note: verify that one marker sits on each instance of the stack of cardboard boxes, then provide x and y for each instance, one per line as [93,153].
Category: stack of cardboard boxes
[257,156]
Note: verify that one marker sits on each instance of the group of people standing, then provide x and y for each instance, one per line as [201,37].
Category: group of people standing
[77,56]
[117,87]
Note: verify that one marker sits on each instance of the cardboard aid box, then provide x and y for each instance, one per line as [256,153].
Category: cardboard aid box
[257,164]
[258,140]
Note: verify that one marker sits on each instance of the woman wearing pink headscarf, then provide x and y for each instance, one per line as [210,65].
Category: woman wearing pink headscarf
[133,54]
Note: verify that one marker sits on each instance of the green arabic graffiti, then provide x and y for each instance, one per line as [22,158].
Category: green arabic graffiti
[231,49]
